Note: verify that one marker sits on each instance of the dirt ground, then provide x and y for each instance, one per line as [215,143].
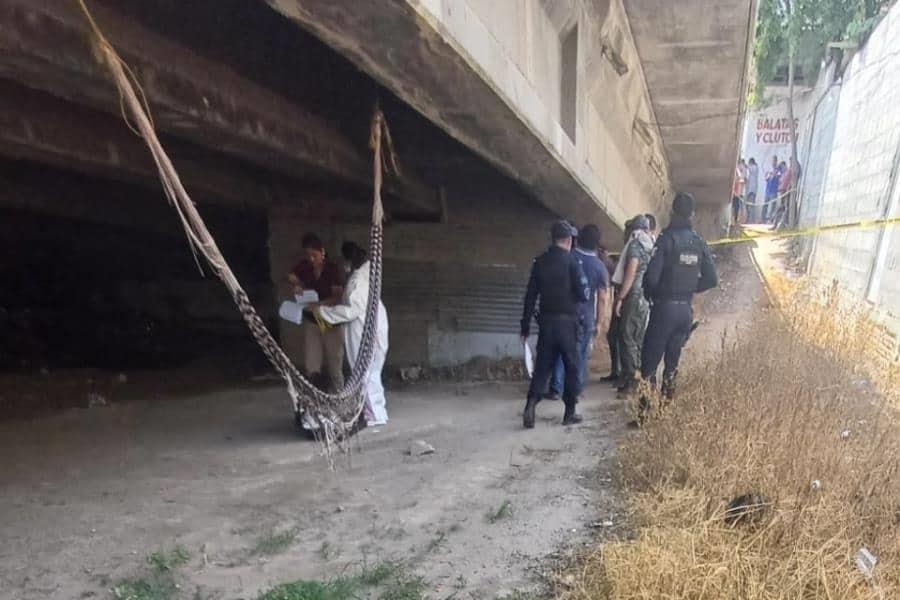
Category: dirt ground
[87,494]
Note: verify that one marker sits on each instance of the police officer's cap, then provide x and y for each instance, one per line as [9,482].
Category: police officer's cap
[562,229]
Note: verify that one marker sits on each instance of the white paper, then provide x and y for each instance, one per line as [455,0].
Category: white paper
[307,297]
[291,311]
[529,360]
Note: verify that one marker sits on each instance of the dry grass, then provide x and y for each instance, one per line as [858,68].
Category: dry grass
[767,418]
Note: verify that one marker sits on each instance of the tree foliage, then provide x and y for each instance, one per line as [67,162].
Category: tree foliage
[810,25]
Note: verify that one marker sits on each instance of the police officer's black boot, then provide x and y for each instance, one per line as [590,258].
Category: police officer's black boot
[528,415]
[668,386]
[570,417]
[644,407]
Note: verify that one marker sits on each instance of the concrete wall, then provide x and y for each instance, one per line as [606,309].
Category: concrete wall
[854,160]
[517,48]
[453,290]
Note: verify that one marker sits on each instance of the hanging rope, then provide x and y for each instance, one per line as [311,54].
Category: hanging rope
[334,414]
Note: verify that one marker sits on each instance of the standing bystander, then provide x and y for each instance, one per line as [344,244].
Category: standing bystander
[614,333]
[750,190]
[773,178]
[592,314]
[323,345]
[631,306]
[559,282]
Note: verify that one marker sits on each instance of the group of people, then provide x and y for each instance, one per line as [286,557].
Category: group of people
[643,309]
[332,327]
[780,180]
[652,286]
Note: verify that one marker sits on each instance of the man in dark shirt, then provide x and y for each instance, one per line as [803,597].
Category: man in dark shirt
[591,313]
[682,266]
[322,345]
[558,280]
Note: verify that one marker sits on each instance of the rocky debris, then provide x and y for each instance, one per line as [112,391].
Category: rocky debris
[420,448]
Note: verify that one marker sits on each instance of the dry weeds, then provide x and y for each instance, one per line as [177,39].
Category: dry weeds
[801,414]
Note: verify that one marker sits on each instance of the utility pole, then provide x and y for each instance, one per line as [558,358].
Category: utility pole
[795,159]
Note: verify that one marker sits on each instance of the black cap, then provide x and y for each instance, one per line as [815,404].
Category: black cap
[562,229]
[683,205]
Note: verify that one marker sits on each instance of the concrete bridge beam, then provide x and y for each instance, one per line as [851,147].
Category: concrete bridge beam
[46,46]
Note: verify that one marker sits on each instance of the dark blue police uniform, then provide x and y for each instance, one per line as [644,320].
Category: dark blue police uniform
[560,283]
[681,266]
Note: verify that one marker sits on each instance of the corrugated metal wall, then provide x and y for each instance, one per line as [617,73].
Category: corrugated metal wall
[486,299]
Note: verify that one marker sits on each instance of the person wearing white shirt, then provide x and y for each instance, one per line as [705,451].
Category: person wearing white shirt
[350,313]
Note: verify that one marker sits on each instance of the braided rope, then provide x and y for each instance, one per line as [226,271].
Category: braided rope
[334,413]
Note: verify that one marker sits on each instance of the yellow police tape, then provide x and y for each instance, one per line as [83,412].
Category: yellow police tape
[750,235]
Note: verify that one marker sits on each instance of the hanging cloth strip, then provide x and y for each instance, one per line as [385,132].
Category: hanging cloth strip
[335,414]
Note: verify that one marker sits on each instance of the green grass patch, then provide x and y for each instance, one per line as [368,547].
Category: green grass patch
[341,588]
[380,573]
[163,561]
[275,542]
[155,588]
[388,579]
[160,584]
[503,511]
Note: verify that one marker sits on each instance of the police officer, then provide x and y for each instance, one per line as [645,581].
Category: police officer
[681,266]
[559,281]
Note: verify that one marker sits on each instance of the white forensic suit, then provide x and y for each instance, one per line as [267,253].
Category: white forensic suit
[351,312]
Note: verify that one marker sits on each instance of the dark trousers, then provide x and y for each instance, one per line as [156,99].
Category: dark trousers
[557,338]
[668,330]
[557,381]
[612,338]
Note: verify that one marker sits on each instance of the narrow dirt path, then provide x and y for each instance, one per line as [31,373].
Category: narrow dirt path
[86,495]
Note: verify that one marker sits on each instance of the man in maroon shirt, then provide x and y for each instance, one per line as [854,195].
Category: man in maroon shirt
[320,347]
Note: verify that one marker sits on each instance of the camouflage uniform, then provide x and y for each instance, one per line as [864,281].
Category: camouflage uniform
[635,311]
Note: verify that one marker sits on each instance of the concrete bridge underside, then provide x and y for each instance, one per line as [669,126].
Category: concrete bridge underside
[506,115]
[691,63]
[695,55]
